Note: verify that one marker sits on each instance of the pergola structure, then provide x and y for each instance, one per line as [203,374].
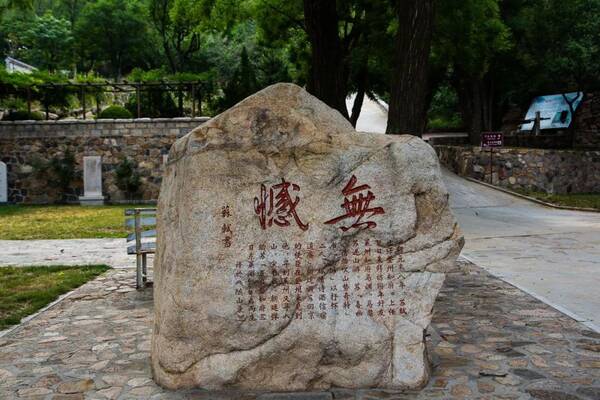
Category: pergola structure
[191,87]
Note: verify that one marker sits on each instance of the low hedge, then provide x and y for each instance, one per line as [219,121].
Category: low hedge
[23,115]
[115,112]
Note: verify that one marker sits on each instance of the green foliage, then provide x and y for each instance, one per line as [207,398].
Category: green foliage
[15,83]
[557,47]
[127,177]
[13,89]
[580,200]
[154,103]
[221,55]
[90,78]
[43,40]
[113,32]
[177,24]
[150,76]
[280,29]
[93,93]
[60,172]
[469,40]
[64,170]
[115,112]
[192,40]
[159,75]
[14,104]
[442,112]
[47,42]
[493,54]
[23,115]
[57,96]
[242,84]
[470,33]
[16,5]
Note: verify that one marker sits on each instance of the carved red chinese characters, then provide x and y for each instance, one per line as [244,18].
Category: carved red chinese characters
[278,208]
[357,207]
[226,230]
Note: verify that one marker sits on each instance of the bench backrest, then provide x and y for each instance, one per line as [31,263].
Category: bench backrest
[142,222]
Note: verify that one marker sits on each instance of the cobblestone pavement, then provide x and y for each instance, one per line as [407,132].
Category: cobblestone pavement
[111,252]
[488,340]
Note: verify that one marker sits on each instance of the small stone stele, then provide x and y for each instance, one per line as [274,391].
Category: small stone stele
[294,253]
[92,182]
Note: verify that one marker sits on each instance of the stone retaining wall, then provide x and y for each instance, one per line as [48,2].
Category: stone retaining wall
[25,145]
[587,123]
[551,171]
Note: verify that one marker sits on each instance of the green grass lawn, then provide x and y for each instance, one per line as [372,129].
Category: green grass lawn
[24,290]
[584,200]
[62,222]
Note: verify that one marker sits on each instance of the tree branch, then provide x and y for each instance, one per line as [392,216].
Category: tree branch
[297,22]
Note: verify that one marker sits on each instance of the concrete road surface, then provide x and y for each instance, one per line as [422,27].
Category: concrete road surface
[373,115]
[552,254]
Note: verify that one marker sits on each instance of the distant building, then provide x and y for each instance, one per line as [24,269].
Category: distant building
[14,65]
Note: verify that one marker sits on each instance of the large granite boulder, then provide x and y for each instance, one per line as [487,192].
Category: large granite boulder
[295,253]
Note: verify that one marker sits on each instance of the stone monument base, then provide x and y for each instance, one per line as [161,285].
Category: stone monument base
[91,200]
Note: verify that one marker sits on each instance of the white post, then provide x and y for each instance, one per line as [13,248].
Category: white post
[92,182]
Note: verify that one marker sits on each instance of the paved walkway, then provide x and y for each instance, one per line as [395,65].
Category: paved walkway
[373,115]
[552,254]
[488,340]
[111,252]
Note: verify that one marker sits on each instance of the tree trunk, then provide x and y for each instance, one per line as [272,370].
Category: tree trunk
[477,113]
[357,107]
[180,102]
[489,93]
[475,104]
[360,95]
[407,108]
[327,79]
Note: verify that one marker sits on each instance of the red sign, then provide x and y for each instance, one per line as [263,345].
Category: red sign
[492,139]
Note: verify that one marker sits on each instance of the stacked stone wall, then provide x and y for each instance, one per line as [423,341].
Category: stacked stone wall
[26,147]
[551,171]
[587,123]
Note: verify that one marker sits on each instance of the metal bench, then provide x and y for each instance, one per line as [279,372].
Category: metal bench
[140,220]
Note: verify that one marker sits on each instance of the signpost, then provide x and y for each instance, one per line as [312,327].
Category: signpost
[491,140]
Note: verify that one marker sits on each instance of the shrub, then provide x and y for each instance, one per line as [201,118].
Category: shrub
[64,170]
[127,177]
[154,103]
[60,172]
[242,84]
[23,115]
[115,112]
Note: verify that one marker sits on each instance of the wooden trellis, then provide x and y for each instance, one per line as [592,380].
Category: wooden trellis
[191,87]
